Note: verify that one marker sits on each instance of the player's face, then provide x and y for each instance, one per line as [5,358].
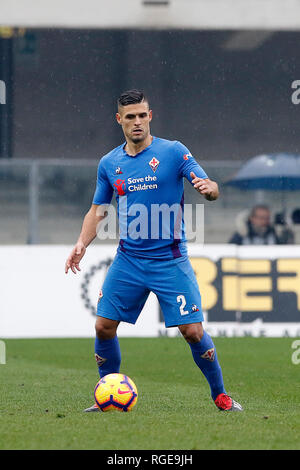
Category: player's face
[135,121]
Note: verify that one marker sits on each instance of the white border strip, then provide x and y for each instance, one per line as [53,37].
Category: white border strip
[190,14]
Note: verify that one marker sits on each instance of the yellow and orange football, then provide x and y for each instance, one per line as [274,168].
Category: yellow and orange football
[115,392]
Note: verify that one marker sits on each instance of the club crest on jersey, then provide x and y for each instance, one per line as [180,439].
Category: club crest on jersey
[120,187]
[209,355]
[118,171]
[195,308]
[100,360]
[154,164]
[100,295]
[186,156]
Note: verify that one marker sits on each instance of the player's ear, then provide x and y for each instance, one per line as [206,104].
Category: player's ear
[150,115]
[118,118]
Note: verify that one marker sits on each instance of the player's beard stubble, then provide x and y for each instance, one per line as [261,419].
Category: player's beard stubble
[137,136]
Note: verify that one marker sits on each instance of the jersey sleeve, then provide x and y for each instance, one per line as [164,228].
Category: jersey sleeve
[187,163]
[104,191]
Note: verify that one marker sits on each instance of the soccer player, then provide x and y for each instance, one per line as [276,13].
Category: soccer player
[146,173]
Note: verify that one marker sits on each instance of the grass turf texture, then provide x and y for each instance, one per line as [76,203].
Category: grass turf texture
[46,384]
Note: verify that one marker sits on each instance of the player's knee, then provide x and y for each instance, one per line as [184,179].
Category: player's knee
[103,332]
[192,333]
[105,329]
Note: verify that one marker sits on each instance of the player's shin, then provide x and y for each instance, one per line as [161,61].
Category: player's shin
[107,355]
[205,356]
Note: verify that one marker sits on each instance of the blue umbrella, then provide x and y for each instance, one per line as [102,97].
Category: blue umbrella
[280,172]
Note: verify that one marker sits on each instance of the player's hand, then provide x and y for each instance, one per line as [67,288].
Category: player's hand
[206,187]
[75,256]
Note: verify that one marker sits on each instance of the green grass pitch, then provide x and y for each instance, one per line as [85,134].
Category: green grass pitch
[46,383]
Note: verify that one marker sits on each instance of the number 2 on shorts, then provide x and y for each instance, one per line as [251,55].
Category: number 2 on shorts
[181,298]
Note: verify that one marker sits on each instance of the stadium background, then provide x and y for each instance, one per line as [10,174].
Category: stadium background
[219,83]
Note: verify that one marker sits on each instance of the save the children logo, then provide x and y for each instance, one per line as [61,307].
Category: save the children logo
[142,183]
[120,186]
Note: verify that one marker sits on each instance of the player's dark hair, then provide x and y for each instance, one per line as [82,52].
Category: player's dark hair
[131,97]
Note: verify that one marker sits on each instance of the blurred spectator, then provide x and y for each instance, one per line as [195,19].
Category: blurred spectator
[256,228]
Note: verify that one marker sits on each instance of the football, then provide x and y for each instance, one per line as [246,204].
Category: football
[115,392]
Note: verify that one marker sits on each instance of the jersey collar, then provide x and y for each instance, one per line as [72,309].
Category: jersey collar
[139,153]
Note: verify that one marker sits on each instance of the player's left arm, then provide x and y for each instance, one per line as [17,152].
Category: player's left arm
[205,186]
[194,173]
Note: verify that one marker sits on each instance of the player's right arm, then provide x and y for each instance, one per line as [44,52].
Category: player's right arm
[87,235]
[95,215]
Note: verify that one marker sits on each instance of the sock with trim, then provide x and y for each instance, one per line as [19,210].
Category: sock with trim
[205,356]
[107,355]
